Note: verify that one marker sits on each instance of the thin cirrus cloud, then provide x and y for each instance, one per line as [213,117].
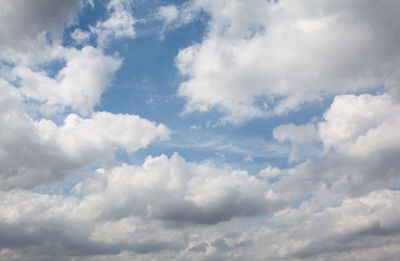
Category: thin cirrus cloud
[73,185]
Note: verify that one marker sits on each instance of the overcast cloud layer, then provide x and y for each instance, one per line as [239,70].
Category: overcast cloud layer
[82,178]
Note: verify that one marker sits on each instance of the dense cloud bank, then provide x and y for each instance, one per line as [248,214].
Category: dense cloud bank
[65,194]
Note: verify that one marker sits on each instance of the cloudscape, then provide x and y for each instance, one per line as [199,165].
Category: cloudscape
[196,130]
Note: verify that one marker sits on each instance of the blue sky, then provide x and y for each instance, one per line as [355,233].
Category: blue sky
[199,130]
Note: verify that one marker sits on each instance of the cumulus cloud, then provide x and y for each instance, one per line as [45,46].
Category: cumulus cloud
[270,57]
[258,58]
[37,152]
[135,222]
[78,85]
[40,89]
[178,191]
[360,147]
[130,207]
[361,125]
[354,229]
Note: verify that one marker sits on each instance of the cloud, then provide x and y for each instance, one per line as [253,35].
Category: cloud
[175,16]
[119,24]
[168,13]
[129,208]
[78,85]
[361,125]
[270,57]
[23,23]
[337,200]
[359,140]
[65,226]
[162,207]
[47,100]
[37,152]
[178,191]
[355,229]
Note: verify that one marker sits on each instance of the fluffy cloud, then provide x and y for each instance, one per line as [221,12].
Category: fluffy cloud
[363,228]
[257,58]
[178,191]
[39,152]
[131,215]
[119,24]
[361,125]
[78,85]
[360,146]
[283,54]
[129,208]
[35,152]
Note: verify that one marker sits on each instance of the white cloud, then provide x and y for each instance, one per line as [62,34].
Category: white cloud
[168,13]
[178,191]
[360,138]
[361,125]
[285,54]
[104,130]
[257,59]
[79,84]
[119,24]
[177,15]
[37,152]
[353,126]
[40,223]
[355,229]
[128,207]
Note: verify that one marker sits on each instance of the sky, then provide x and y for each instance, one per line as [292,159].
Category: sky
[199,130]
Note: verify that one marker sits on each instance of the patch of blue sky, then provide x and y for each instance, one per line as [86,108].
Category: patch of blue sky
[88,16]
[148,81]
[52,68]
[241,151]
